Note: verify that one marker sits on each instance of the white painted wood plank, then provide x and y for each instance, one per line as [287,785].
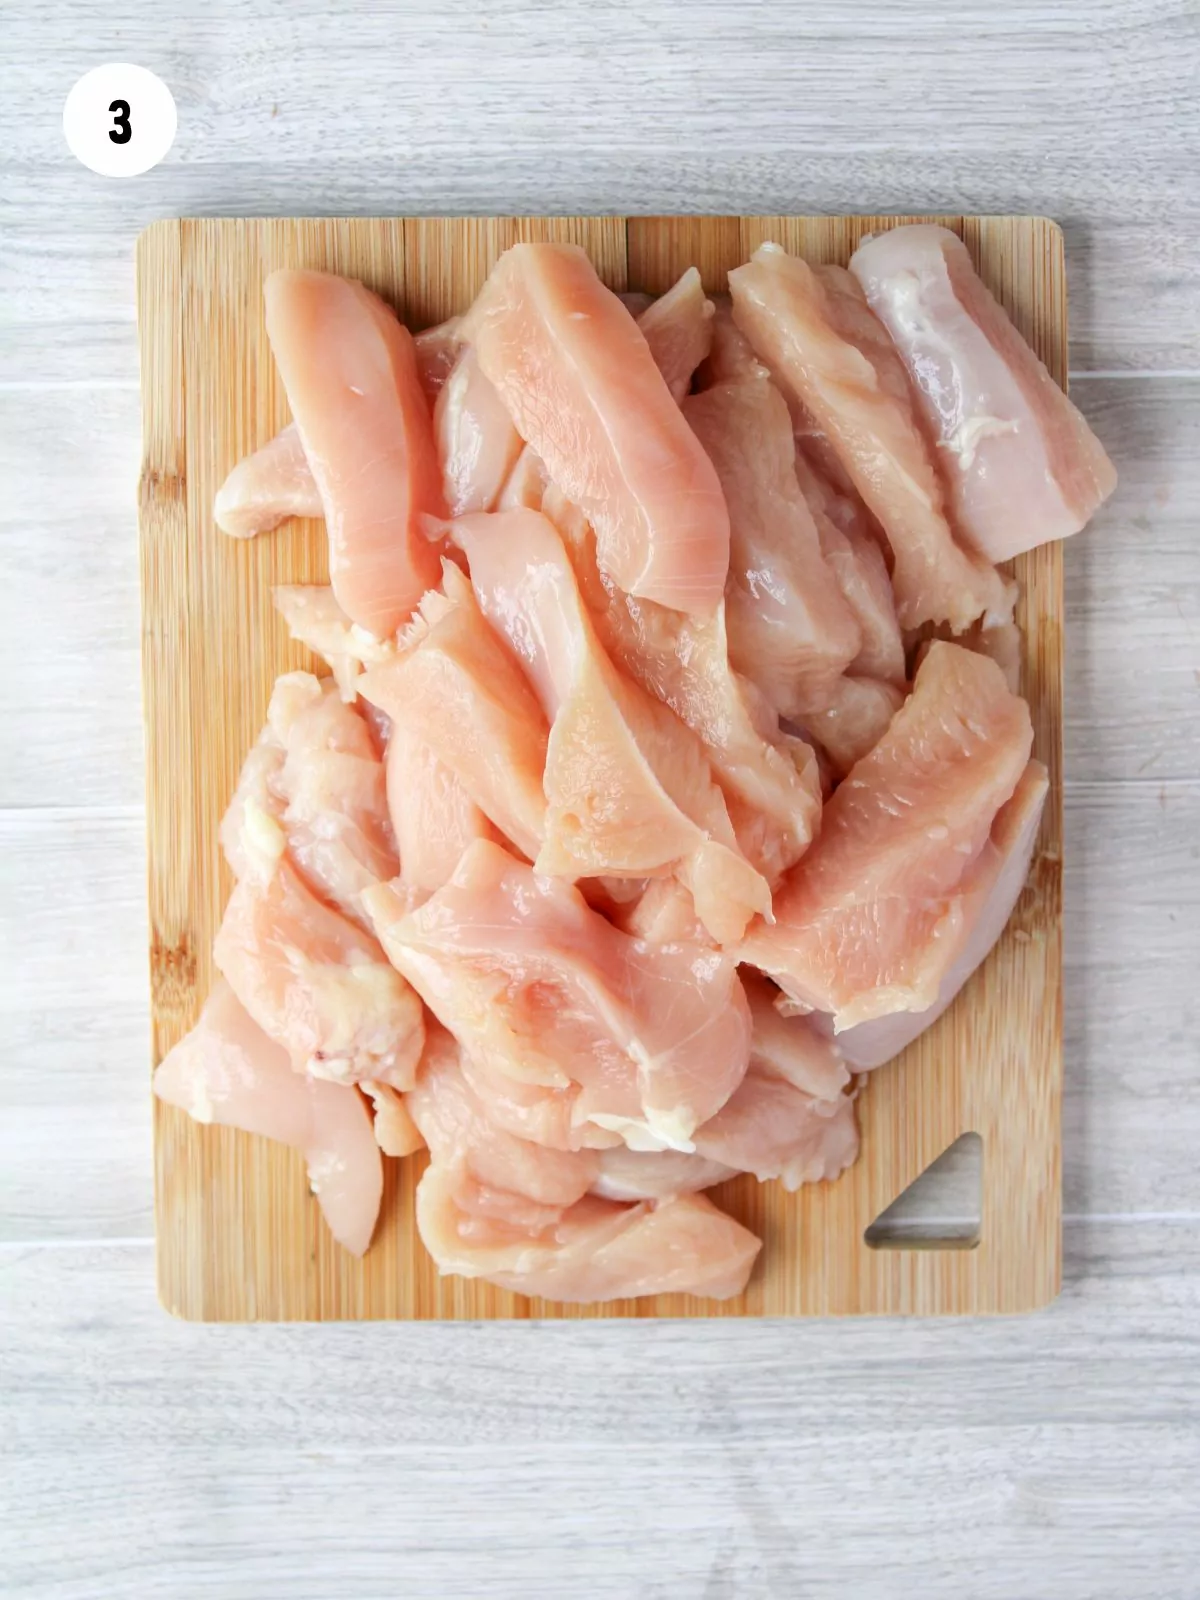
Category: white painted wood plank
[1046,1456]
[69,623]
[1088,112]
[74,1093]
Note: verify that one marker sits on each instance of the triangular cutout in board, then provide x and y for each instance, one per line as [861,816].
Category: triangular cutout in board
[940,1209]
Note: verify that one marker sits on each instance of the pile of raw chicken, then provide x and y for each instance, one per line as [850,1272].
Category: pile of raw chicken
[672,771]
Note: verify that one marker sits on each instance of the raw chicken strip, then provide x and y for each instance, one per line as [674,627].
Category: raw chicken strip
[320,986]
[790,630]
[533,1111]
[351,378]
[535,984]
[861,573]
[1002,644]
[870,920]
[815,339]
[595,1251]
[315,619]
[789,1118]
[632,1175]
[663,913]
[331,784]
[526,483]
[456,688]
[1021,464]
[582,387]
[678,329]
[313,784]
[396,1133]
[769,779]
[629,791]
[793,1049]
[433,816]
[996,884]
[228,1071]
[436,350]
[513,1180]
[266,488]
[477,445]
[851,719]
[774,1130]
[731,357]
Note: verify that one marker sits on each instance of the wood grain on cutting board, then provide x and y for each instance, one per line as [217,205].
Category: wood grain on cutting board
[239,1237]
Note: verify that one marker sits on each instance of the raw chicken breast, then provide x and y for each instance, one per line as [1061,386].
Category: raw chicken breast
[331,786]
[851,719]
[595,1251]
[433,816]
[860,571]
[396,1133]
[315,619]
[820,340]
[1002,644]
[436,350]
[774,1130]
[629,791]
[632,1175]
[663,913]
[731,357]
[789,1118]
[1021,464]
[678,329]
[535,984]
[525,484]
[351,378]
[266,488]
[477,445]
[790,630]
[228,1071]
[319,985]
[456,688]
[534,1111]
[871,919]
[582,387]
[996,883]
[512,1180]
[769,779]
[791,1048]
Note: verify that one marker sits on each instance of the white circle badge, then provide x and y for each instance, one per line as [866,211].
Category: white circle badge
[119,120]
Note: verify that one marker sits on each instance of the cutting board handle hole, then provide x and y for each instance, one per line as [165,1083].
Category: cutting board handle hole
[942,1209]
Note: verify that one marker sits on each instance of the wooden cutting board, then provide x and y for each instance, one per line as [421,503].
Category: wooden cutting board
[239,1236]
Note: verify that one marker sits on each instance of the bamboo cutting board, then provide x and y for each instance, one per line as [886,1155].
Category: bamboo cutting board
[239,1237]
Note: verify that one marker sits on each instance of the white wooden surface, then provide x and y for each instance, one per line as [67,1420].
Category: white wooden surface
[1056,1456]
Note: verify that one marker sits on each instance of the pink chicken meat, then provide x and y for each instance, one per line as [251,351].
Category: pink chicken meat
[790,630]
[819,338]
[228,1071]
[678,328]
[870,920]
[456,689]
[768,778]
[629,790]
[537,986]
[583,389]
[594,1251]
[316,775]
[993,891]
[267,487]
[351,378]
[1021,464]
